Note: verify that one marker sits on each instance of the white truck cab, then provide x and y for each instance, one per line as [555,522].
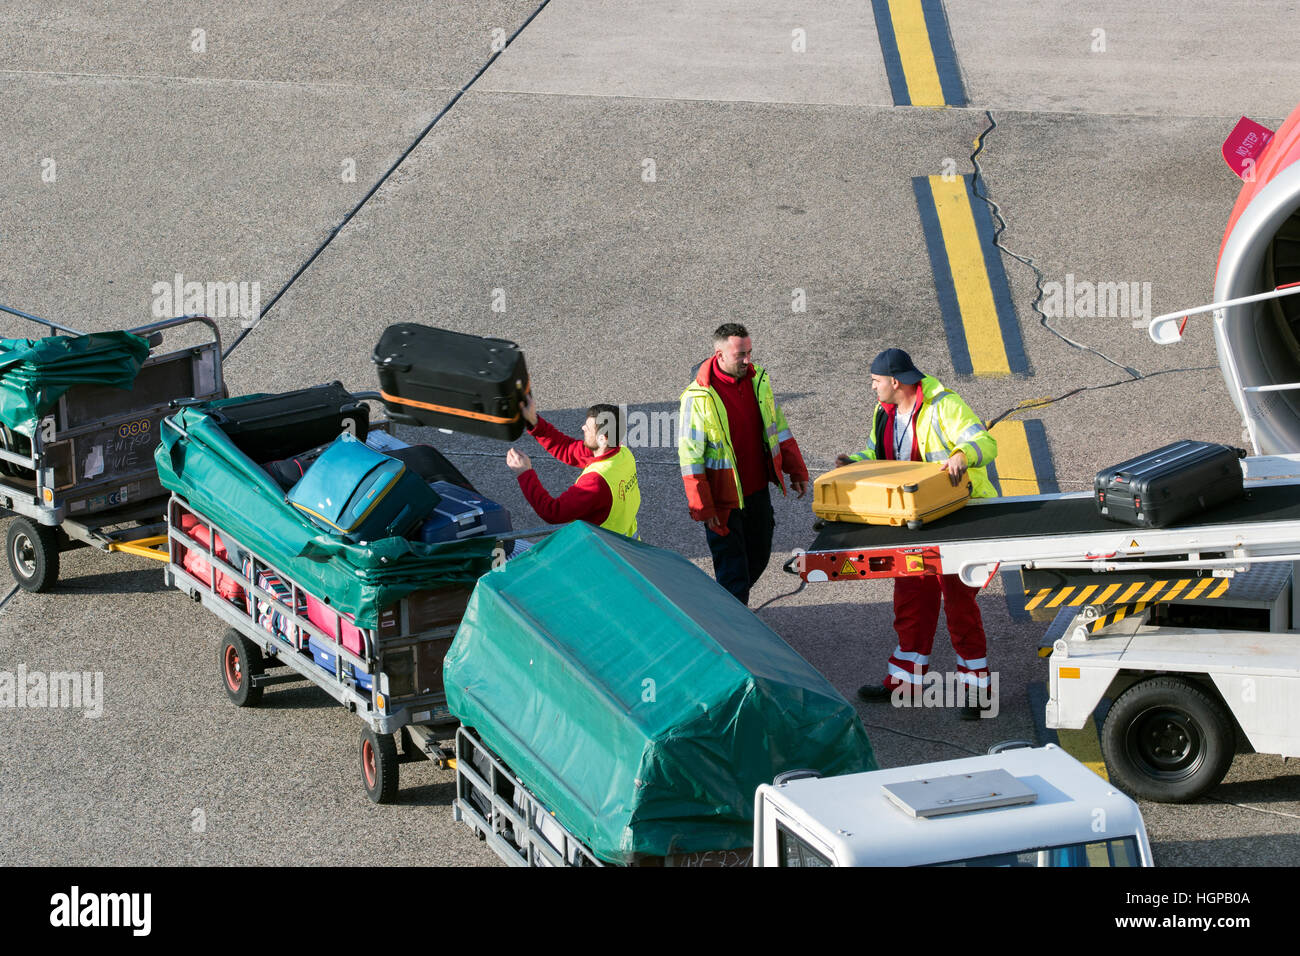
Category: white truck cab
[1024,807]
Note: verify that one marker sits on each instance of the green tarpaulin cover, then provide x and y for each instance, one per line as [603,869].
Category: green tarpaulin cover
[219,480]
[639,700]
[35,372]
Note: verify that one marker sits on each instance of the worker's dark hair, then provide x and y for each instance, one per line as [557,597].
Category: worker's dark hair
[727,329]
[606,422]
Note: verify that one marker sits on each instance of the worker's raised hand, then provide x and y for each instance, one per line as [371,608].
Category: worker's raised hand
[528,408]
[518,462]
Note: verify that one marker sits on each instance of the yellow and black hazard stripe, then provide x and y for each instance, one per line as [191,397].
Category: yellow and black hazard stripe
[1143,592]
[1115,615]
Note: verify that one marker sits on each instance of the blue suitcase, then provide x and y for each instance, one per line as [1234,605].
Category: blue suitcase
[355,492]
[324,656]
[462,514]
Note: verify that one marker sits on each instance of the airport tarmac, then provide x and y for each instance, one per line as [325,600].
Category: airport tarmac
[622,178]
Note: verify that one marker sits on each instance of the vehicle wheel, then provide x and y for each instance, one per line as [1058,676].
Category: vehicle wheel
[33,554]
[239,659]
[915,525]
[379,766]
[1167,739]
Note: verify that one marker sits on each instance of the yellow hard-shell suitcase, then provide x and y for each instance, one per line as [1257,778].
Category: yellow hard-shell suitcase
[889,492]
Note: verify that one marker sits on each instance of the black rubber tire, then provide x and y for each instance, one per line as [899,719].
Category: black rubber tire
[238,659]
[33,551]
[379,762]
[915,525]
[1168,739]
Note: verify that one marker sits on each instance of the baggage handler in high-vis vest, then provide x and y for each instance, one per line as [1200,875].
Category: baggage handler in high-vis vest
[917,419]
[733,442]
[605,494]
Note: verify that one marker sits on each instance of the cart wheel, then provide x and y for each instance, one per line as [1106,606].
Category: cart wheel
[33,554]
[239,659]
[379,766]
[1166,739]
[915,525]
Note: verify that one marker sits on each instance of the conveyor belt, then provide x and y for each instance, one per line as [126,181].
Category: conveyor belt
[1045,517]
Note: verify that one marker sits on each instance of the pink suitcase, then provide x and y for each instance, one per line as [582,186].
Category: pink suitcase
[329,621]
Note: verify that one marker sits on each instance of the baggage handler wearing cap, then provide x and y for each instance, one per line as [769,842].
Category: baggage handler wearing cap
[733,442]
[917,419]
[605,494]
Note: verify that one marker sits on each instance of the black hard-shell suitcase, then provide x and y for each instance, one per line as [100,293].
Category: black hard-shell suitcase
[431,465]
[279,426]
[1169,484]
[466,383]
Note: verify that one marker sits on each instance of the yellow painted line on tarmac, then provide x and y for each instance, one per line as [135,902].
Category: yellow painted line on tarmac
[1084,746]
[1016,472]
[916,53]
[970,277]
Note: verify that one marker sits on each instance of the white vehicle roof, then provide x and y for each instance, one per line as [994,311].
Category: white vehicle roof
[851,819]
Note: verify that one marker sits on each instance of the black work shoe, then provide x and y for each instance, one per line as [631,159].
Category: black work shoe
[973,712]
[874,693]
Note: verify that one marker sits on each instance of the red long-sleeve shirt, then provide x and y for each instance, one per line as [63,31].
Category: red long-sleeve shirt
[587,499]
[745,422]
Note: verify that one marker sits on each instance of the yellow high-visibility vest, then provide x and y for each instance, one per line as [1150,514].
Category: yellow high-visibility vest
[619,473]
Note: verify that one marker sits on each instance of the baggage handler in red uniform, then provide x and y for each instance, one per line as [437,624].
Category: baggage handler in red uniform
[917,419]
[606,494]
[733,442]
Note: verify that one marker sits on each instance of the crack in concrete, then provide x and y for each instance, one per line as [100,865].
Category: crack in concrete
[1000,226]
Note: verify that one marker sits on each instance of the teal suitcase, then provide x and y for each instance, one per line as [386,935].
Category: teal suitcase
[359,494]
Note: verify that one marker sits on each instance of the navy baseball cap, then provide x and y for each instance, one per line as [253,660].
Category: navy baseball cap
[895,363]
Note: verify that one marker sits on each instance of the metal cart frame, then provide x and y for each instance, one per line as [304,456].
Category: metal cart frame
[494,803]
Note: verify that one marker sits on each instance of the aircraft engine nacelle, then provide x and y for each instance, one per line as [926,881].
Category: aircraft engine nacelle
[1259,343]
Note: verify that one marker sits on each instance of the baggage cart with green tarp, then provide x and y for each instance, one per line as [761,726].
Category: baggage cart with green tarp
[638,703]
[281,585]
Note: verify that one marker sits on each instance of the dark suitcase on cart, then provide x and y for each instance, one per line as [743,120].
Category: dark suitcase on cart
[1169,484]
[462,514]
[444,379]
[425,460]
[430,464]
[279,426]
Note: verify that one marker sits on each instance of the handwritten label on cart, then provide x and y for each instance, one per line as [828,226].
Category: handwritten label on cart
[131,447]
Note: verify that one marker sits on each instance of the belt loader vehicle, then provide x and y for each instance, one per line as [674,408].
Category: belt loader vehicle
[1189,630]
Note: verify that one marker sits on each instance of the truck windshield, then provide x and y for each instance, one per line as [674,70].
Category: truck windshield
[1119,852]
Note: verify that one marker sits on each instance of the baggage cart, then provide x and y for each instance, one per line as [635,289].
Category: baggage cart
[87,477]
[496,805]
[402,656]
